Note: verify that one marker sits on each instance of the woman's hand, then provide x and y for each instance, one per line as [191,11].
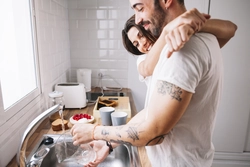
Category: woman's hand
[178,37]
[179,31]
[102,151]
[191,17]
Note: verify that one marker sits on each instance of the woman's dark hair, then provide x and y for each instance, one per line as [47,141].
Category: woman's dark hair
[127,43]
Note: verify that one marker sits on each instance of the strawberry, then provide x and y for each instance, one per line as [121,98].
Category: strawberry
[76,117]
[80,116]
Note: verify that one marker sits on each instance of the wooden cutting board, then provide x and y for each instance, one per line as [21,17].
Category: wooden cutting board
[122,104]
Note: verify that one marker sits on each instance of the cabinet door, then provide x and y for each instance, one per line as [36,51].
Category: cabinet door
[232,122]
[201,5]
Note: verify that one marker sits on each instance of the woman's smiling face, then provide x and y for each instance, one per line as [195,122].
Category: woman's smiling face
[139,40]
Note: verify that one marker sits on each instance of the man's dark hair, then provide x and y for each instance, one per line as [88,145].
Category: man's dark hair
[181,2]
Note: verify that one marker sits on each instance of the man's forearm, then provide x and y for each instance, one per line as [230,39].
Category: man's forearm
[131,134]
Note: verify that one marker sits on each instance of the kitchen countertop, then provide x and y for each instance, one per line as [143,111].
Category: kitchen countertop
[45,127]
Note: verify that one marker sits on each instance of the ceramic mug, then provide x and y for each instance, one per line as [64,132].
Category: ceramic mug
[105,113]
[119,118]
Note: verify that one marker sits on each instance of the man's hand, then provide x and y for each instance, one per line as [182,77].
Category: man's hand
[82,133]
[102,151]
[179,31]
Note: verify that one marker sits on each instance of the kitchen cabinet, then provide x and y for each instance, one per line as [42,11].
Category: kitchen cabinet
[231,128]
[231,135]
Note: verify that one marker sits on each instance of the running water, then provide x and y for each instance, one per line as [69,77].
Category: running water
[62,119]
[63,128]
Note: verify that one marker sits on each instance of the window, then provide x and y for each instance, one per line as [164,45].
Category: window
[18,63]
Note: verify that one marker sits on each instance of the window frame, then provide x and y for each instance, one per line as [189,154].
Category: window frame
[5,115]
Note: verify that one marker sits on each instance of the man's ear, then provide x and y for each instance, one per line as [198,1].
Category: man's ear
[167,3]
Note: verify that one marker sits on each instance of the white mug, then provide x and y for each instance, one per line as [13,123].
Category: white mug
[105,113]
[119,118]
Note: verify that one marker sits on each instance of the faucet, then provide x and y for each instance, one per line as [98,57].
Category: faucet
[21,153]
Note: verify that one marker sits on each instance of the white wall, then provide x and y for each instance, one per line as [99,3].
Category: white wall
[201,5]
[95,40]
[53,42]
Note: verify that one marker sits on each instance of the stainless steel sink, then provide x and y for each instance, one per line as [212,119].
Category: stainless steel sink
[44,155]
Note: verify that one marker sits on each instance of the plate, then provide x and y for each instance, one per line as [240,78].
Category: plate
[83,120]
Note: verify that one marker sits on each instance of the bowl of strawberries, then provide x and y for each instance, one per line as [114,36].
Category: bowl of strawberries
[81,118]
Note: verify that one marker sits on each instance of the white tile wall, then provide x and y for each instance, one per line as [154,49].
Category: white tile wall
[95,39]
[53,42]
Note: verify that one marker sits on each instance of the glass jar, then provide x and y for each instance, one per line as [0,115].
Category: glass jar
[56,97]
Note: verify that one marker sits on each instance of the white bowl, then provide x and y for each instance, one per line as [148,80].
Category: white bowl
[83,120]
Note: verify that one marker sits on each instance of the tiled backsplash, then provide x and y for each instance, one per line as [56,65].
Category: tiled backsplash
[53,42]
[95,39]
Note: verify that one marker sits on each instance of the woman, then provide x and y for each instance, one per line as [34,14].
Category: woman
[146,35]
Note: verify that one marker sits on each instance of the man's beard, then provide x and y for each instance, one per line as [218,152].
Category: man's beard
[158,20]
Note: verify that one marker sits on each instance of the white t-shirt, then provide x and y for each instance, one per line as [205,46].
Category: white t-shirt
[147,80]
[196,68]
[141,78]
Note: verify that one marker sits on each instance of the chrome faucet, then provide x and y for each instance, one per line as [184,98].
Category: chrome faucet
[21,153]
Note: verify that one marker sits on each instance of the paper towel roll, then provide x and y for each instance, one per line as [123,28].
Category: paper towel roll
[84,76]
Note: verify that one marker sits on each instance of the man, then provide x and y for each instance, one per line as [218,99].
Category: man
[190,84]
[183,97]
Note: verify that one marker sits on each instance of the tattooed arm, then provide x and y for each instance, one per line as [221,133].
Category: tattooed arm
[167,106]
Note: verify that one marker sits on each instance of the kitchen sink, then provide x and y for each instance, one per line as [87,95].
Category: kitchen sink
[93,96]
[44,155]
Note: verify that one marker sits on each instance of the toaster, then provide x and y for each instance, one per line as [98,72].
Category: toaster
[74,94]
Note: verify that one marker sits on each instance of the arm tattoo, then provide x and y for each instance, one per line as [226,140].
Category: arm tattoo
[118,134]
[156,140]
[120,142]
[105,132]
[173,90]
[132,133]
